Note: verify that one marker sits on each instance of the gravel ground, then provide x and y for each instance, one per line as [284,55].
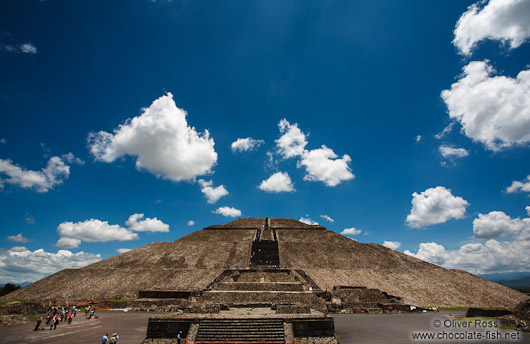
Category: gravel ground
[131,326]
[397,328]
[349,328]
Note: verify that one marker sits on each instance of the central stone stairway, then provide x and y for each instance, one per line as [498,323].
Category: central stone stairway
[265,287]
[240,331]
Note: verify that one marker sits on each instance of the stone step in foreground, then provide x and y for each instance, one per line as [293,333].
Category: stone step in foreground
[240,330]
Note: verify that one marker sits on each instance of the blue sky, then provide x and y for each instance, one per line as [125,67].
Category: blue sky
[405,123]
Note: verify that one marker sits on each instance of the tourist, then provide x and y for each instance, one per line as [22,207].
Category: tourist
[105,338]
[114,339]
[39,321]
[179,337]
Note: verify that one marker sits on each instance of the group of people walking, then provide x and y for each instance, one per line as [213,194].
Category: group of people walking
[56,315]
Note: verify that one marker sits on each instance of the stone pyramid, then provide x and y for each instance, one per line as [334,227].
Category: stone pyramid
[323,259]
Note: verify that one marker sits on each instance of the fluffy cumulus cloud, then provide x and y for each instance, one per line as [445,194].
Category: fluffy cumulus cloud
[137,223]
[324,165]
[307,220]
[434,206]
[191,223]
[122,250]
[55,172]
[18,264]
[246,144]
[327,218]
[292,141]
[228,211]
[479,258]
[496,224]
[518,186]
[321,164]
[351,231]
[503,20]
[162,142]
[394,245]
[92,230]
[278,182]
[492,256]
[452,153]
[493,110]
[18,238]
[211,193]
[68,243]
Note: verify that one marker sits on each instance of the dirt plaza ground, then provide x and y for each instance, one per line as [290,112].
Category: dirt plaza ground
[349,328]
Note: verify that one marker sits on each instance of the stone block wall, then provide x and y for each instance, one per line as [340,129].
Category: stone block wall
[168,328]
[259,286]
[315,327]
[292,309]
[231,298]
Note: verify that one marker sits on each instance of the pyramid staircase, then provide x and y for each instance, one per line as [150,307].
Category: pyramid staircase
[240,331]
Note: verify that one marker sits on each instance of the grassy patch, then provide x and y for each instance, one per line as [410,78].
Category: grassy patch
[13,302]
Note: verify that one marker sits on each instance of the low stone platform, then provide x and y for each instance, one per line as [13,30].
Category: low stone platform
[256,325]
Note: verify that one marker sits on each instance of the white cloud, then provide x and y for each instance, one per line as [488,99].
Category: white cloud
[323,165]
[292,142]
[55,172]
[68,243]
[327,218]
[278,182]
[246,144]
[450,152]
[503,20]
[123,250]
[490,257]
[394,245]
[30,220]
[18,238]
[493,110]
[3,141]
[136,224]
[162,142]
[191,223]
[93,230]
[18,264]
[478,258]
[351,231]
[418,138]
[212,194]
[28,48]
[24,48]
[496,224]
[227,211]
[446,131]
[307,220]
[519,186]
[434,206]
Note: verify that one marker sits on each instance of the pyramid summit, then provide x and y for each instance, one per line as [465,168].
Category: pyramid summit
[270,261]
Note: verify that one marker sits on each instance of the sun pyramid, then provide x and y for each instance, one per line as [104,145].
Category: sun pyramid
[270,261]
